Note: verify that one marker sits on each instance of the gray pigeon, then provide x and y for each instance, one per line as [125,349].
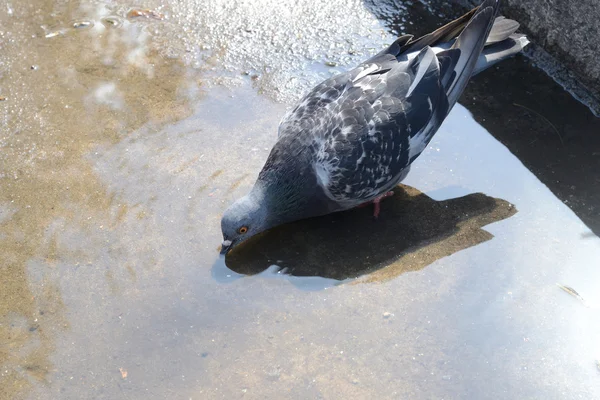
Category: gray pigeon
[353,137]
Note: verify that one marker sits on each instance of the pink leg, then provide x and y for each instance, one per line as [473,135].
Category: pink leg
[376,202]
[377,207]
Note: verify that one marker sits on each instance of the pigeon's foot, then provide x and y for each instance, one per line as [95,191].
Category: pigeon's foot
[376,202]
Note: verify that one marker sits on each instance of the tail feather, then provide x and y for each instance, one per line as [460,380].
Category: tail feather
[501,30]
[470,42]
[479,37]
[464,47]
[443,34]
[500,51]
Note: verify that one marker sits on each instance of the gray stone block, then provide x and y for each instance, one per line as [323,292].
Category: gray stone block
[567,29]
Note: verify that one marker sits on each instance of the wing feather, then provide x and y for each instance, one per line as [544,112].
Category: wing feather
[361,125]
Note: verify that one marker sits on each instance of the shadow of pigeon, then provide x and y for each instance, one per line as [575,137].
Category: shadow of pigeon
[412,232]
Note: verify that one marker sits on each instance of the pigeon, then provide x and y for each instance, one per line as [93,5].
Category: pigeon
[353,137]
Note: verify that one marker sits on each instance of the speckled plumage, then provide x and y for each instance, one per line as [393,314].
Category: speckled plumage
[364,128]
[353,137]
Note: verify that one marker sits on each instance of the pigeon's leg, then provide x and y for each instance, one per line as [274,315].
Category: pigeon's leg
[377,201]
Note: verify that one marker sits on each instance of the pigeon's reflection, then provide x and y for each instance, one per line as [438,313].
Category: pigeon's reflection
[412,231]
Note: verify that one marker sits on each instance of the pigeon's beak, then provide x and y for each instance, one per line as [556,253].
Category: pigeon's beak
[226,246]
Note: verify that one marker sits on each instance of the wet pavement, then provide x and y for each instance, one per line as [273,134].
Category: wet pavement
[126,133]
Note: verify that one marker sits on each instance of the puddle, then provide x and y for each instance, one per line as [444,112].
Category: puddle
[123,141]
[351,245]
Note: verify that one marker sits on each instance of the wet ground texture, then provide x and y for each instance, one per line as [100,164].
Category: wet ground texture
[127,129]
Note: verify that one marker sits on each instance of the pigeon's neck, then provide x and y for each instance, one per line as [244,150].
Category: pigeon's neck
[287,186]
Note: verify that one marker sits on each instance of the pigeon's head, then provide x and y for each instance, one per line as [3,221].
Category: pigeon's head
[242,220]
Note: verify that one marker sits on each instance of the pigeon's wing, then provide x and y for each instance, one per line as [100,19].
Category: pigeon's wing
[365,127]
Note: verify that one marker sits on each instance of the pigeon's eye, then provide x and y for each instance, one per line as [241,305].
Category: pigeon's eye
[243,230]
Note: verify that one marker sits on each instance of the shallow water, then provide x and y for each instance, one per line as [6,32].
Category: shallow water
[123,142]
